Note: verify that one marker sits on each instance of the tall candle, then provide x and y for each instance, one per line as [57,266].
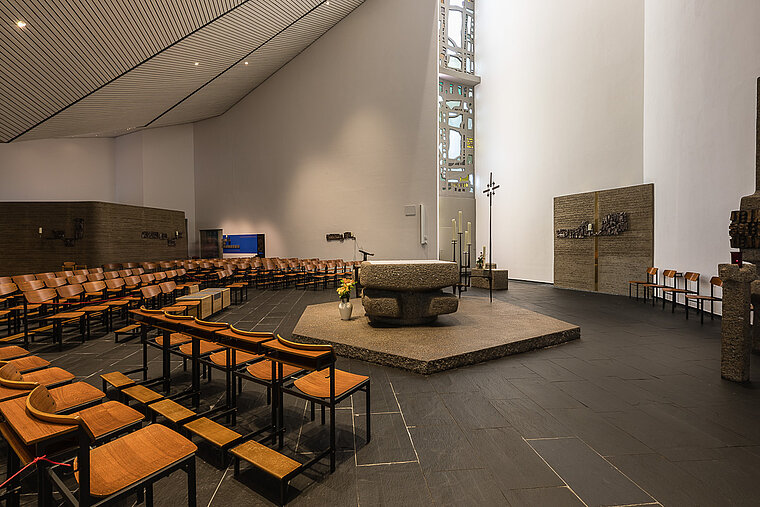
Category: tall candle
[467,237]
[453,229]
[469,228]
[460,221]
[484,252]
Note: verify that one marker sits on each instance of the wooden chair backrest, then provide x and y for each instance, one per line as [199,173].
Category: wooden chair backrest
[304,346]
[64,274]
[181,272]
[130,265]
[23,278]
[125,273]
[167,287]
[93,287]
[84,272]
[171,273]
[147,278]
[138,271]
[132,280]
[40,296]
[5,279]
[112,267]
[7,288]
[44,276]
[77,279]
[150,291]
[115,283]
[69,265]
[110,275]
[71,290]
[40,405]
[52,283]
[12,379]
[692,277]
[669,273]
[31,285]
[159,276]
[95,277]
[716,281]
[96,270]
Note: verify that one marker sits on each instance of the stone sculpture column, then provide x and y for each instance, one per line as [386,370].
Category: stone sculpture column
[736,338]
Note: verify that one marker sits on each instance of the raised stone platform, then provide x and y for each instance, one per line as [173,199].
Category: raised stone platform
[478,332]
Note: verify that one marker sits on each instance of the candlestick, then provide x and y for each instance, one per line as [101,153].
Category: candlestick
[460,222]
[467,237]
[453,229]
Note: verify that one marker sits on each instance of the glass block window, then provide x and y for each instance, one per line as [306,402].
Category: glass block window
[456,28]
[456,138]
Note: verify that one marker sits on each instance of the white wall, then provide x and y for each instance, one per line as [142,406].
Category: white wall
[338,140]
[560,110]
[702,59]
[57,170]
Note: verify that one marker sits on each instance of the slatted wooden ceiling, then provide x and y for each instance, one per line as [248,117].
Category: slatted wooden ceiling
[112,66]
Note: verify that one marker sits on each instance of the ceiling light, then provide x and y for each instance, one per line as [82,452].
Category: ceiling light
[196,64]
[246,63]
[327,2]
[20,24]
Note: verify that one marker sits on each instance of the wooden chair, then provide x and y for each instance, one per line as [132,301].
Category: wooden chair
[112,267]
[19,279]
[54,283]
[95,277]
[121,467]
[14,384]
[147,278]
[44,276]
[325,386]
[68,266]
[675,291]
[77,279]
[64,274]
[651,279]
[700,300]
[111,275]
[81,272]
[123,273]
[652,288]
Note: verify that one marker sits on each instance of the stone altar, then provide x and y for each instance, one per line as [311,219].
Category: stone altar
[407,293]
[479,279]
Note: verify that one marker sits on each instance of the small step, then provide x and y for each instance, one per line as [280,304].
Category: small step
[265,459]
[117,379]
[142,394]
[172,411]
[212,431]
[127,329]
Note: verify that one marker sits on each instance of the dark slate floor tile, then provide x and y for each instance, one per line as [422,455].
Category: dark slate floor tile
[457,488]
[597,432]
[530,420]
[400,484]
[554,497]
[589,475]
[546,394]
[443,448]
[424,409]
[473,411]
[390,440]
[593,397]
[550,370]
[511,460]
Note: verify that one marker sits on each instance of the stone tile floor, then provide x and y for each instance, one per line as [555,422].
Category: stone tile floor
[633,413]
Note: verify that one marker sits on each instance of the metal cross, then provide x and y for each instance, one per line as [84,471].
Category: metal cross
[490,191]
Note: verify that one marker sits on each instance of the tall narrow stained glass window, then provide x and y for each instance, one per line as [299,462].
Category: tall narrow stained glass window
[456,28]
[456,138]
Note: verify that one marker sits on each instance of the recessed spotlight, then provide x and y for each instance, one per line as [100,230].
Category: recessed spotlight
[246,63]
[20,24]
[196,64]
[327,2]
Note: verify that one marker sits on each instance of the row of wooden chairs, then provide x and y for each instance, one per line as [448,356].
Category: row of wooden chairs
[106,451]
[282,366]
[669,287]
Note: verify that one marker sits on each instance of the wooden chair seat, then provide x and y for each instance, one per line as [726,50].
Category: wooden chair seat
[29,363]
[142,394]
[172,411]
[220,358]
[47,377]
[212,431]
[94,308]
[12,352]
[74,395]
[133,457]
[187,302]
[108,417]
[262,370]
[704,298]
[117,379]
[118,302]
[175,309]
[67,316]
[317,383]
[206,348]
[671,289]
[174,339]
[268,460]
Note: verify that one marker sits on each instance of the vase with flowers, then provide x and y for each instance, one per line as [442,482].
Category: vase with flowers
[344,291]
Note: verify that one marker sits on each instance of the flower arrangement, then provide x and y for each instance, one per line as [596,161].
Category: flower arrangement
[344,291]
[481,261]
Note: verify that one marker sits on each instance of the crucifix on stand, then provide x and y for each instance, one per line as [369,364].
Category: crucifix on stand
[490,191]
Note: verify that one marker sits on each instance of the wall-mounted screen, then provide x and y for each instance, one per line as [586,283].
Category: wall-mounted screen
[249,244]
